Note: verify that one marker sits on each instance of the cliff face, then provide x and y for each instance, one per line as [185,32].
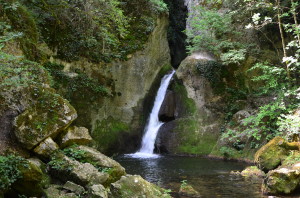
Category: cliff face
[117,119]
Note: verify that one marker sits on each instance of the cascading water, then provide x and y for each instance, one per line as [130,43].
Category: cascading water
[154,124]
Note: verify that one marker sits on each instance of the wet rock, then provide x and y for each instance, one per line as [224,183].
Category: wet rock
[108,165]
[75,135]
[97,191]
[46,118]
[77,189]
[166,139]
[188,191]
[272,154]
[66,169]
[46,148]
[253,172]
[167,110]
[134,186]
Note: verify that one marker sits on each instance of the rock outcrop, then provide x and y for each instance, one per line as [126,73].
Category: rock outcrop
[75,135]
[197,113]
[271,155]
[134,186]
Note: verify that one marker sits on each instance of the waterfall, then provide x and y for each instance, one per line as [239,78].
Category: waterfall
[154,124]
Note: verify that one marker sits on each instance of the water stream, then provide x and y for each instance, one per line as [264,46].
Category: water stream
[153,124]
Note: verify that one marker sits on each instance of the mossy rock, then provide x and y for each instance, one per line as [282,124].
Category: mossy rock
[32,181]
[67,169]
[108,134]
[253,172]
[134,186]
[102,162]
[187,190]
[281,181]
[272,154]
[46,118]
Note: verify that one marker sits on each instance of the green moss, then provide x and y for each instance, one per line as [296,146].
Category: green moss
[189,105]
[108,133]
[191,139]
[164,70]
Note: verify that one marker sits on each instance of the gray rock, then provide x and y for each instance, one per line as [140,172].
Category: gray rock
[80,173]
[75,135]
[114,169]
[46,148]
[97,191]
[281,181]
[77,189]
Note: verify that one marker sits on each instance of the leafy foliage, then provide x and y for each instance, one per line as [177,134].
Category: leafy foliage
[19,73]
[76,83]
[10,170]
[212,31]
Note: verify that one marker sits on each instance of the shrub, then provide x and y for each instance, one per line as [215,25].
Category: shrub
[10,170]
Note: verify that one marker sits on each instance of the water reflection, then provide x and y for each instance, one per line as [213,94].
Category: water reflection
[211,178]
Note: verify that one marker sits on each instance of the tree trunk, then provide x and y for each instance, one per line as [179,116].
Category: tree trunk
[282,38]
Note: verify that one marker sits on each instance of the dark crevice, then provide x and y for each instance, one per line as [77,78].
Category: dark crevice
[176,37]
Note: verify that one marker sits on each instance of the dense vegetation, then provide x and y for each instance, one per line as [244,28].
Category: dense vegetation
[96,30]
[275,77]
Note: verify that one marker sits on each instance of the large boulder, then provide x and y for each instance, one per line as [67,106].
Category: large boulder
[197,111]
[134,186]
[75,135]
[67,169]
[106,164]
[46,118]
[282,181]
[271,155]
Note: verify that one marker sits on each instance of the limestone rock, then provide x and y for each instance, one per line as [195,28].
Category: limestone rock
[188,191]
[52,192]
[77,189]
[55,191]
[46,118]
[46,148]
[253,172]
[281,181]
[83,174]
[113,168]
[97,191]
[272,154]
[75,135]
[134,186]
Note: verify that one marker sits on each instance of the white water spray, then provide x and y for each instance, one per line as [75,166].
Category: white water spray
[154,124]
